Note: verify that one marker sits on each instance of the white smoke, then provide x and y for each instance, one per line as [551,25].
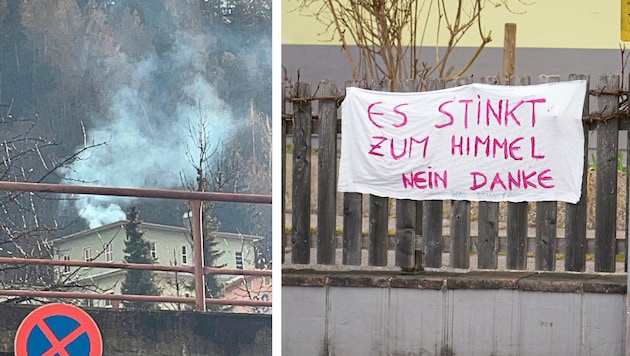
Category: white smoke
[150,105]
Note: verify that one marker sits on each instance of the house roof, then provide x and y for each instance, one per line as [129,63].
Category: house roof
[149,226]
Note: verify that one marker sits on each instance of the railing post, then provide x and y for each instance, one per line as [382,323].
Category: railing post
[200,285]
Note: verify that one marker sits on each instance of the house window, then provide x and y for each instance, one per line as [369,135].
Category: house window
[109,253]
[65,269]
[153,250]
[87,253]
[267,280]
[184,255]
[239,260]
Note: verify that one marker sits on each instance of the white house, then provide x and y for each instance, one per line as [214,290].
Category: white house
[169,246]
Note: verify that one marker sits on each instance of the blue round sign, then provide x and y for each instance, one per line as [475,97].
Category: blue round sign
[58,329]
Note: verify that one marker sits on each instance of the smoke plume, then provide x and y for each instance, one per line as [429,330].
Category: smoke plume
[149,105]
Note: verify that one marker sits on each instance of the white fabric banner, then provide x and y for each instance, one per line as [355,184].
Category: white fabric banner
[476,142]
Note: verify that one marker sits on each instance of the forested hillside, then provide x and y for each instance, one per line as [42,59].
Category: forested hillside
[125,93]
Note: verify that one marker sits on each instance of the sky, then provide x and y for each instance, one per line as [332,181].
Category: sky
[540,24]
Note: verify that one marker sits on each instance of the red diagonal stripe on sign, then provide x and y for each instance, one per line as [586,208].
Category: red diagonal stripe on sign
[59,346]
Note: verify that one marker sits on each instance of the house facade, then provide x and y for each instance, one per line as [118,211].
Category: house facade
[169,245]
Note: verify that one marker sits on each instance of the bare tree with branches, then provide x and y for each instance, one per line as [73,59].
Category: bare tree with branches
[390,35]
[25,231]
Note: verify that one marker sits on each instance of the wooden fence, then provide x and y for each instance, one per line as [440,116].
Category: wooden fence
[419,224]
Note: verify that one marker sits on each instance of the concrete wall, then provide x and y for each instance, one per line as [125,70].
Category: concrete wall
[476,313]
[162,333]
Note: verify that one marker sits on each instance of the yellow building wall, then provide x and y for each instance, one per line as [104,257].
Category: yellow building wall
[541,24]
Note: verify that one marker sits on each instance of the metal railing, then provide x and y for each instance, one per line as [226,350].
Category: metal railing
[198,269]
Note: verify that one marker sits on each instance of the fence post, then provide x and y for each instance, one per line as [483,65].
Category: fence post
[379,215]
[405,217]
[352,219]
[517,217]
[200,280]
[575,235]
[546,219]
[301,203]
[606,174]
[459,256]
[509,51]
[488,221]
[432,210]
[327,174]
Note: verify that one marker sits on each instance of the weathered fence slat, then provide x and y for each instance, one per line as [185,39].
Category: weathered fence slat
[352,228]
[327,174]
[488,221]
[405,217]
[301,199]
[575,223]
[283,161]
[405,234]
[546,220]
[459,256]
[606,175]
[379,214]
[627,204]
[352,219]
[432,210]
[517,217]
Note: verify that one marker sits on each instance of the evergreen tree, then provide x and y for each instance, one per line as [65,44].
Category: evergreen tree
[137,250]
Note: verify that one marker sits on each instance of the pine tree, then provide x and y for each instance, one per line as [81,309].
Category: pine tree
[214,287]
[137,250]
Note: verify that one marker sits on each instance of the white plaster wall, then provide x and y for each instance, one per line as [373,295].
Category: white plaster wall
[398,321]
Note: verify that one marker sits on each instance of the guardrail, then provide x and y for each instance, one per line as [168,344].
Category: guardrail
[198,269]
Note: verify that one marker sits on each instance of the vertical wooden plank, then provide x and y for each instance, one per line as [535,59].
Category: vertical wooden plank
[627,202]
[509,51]
[517,218]
[459,256]
[418,225]
[301,198]
[379,214]
[432,210]
[352,228]
[488,221]
[327,174]
[352,220]
[606,175]
[405,216]
[405,234]
[546,219]
[575,233]
[379,211]
[418,86]
[283,163]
